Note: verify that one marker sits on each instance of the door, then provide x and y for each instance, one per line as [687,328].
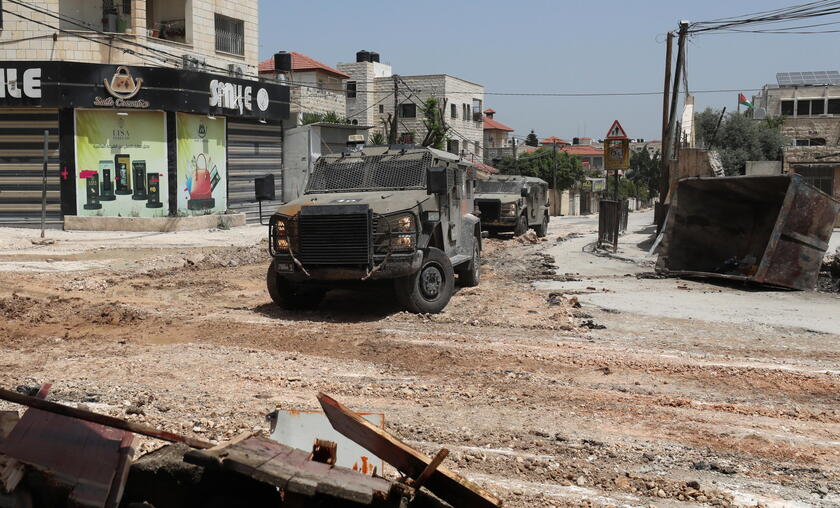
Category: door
[254,149]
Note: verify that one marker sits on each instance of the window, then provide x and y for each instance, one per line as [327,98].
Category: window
[464,111]
[87,15]
[810,142]
[408,110]
[834,106]
[476,107]
[452,146]
[453,111]
[167,20]
[810,107]
[820,177]
[787,108]
[351,89]
[230,35]
[381,108]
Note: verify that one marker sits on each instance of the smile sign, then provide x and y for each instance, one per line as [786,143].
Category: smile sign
[29,87]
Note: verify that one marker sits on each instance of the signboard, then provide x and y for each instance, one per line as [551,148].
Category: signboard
[616,148]
[616,154]
[121,160]
[83,85]
[202,164]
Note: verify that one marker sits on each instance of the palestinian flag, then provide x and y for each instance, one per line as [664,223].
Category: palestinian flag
[742,99]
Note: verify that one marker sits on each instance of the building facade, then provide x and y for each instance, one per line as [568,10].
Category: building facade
[811,122]
[133,130]
[405,96]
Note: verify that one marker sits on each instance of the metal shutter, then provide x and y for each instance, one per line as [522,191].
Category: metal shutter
[254,149]
[21,166]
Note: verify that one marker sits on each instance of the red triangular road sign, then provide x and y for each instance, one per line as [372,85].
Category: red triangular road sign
[616,131]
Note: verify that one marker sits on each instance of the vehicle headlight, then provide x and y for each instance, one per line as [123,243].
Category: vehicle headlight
[402,242]
[281,236]
[509,210]
[402,223]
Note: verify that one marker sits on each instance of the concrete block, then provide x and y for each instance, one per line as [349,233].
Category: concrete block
[152,224]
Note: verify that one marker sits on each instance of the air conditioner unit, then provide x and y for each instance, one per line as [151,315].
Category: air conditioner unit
[235,70]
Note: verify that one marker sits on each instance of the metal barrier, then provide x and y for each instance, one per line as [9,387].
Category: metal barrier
[612,221]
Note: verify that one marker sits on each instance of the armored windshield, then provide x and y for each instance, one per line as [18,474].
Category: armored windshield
[369,173]
[497,187]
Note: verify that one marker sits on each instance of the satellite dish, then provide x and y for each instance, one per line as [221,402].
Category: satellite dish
[760,113]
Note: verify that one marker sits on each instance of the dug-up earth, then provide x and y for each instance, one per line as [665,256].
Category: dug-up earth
[543,399]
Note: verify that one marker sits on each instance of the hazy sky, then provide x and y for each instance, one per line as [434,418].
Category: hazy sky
[551,46]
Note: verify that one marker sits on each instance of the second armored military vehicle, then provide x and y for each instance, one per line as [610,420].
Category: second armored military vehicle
[512,203]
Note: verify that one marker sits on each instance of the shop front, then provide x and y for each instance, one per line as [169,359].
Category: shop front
[132,141]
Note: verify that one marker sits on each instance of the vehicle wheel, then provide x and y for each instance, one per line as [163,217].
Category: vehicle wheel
[521,226]
[427,291]
[542,229]
[470,275]
[291,296]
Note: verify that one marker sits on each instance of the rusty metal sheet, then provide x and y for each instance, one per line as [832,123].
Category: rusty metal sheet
[299,429]
[291,470]
[770,230]
[90,458]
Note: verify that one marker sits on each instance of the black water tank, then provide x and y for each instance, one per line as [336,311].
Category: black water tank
[374,56]
[283,61]
[363,56]
[575,141]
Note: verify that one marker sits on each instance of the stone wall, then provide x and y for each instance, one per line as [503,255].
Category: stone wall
[23,38]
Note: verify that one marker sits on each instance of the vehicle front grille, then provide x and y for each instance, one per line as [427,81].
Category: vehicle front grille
[491,209]
[334,235]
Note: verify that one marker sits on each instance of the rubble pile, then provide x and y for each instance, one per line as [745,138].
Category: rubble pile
[829,280]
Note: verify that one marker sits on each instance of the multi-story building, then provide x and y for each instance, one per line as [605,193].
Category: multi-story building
[497,143]
[317,87]
[387,95]
[152,108]
[809,105]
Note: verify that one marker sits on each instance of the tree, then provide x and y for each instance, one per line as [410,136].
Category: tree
[740,139]
[541,164]
[644,171]
[531,139]
[434,120]
[328,117]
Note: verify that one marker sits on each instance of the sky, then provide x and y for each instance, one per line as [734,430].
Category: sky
[552,46]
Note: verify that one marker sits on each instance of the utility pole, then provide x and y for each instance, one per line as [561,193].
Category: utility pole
[44,182]
[554,167]
[392,135]
[675,92]
[665,154]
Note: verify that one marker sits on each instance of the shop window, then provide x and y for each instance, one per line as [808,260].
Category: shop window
[408,110]
[230,35]
[106,16]
[787,108]
[169,20]
[351,89]
[834,106]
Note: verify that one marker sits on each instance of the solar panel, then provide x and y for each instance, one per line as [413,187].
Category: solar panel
[808,78]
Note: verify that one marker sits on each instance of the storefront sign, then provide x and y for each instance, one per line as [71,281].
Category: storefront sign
[81,85]
[30,86]
[121,162]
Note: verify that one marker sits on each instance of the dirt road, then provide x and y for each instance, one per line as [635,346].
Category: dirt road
[552,386]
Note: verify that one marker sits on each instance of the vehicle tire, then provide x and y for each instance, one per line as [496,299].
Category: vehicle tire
[521,226]
[470,275]
[288,295]
[542,229]
[429,289]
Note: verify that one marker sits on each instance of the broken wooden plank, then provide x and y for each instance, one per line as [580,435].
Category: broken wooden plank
[108,421]
[11,473]
[433,465]
[446,484]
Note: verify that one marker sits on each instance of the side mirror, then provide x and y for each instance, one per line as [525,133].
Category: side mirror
[264,190]
[436,180]
[523,192]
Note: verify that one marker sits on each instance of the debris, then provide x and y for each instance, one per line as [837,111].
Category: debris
[528,237]
[443,482]
[592,325]
[770,230]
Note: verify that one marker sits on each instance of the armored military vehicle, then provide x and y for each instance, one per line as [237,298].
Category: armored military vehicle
[399,215]
[512,203]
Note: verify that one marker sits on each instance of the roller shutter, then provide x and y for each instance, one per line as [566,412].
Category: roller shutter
[21,166]
[254,149]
